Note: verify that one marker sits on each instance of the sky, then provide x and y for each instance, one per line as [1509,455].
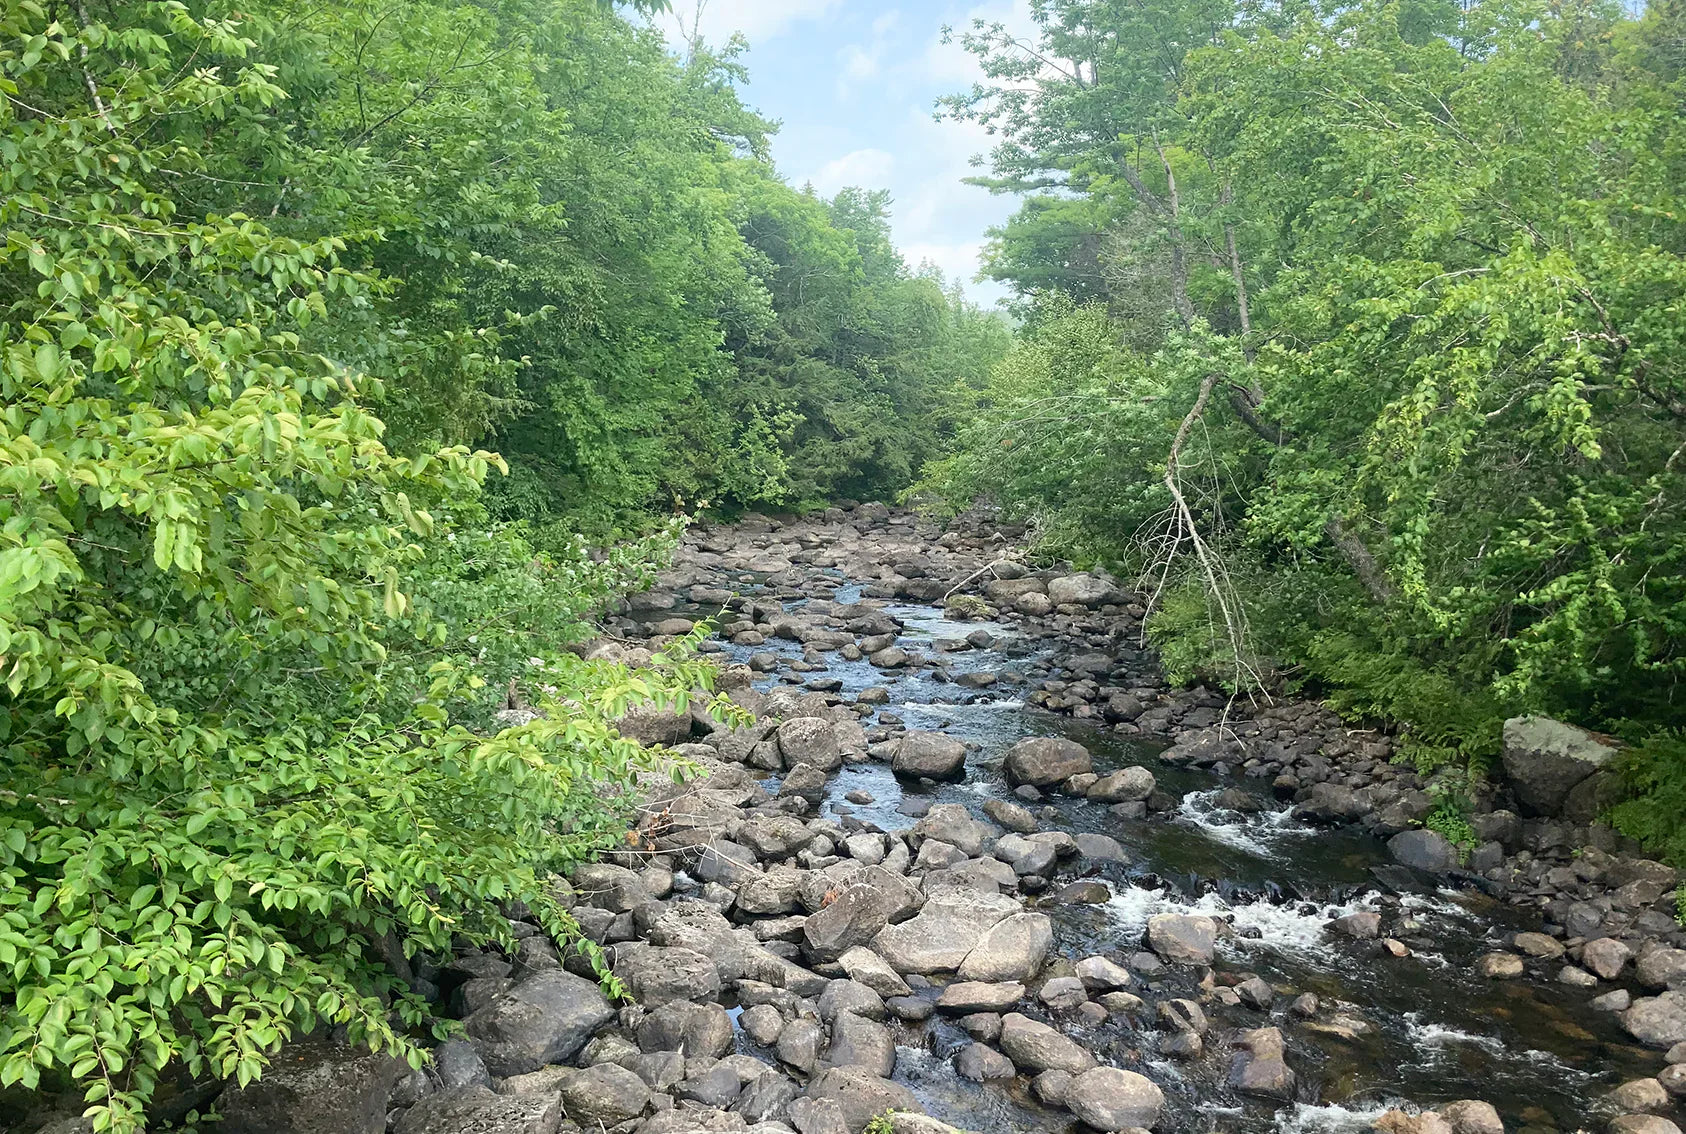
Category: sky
[854,83]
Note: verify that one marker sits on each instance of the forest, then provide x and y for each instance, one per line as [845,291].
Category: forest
[353,357]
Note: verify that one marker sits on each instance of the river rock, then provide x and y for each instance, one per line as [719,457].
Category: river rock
[1472,1116]
[1081,589]
[968,996]
[1259,1067]
[929,754]
[1036,1047]
[1538,946]
[1332,803]
[545,1018]
[655,975]
[478,1110]
[860,1095]
[980,1063]
[1660,967]
[1423,850]
[1499,966]
[1673,1079]
[859,1042]
[1365,925]
[868,968]
[1183,939]
[1046,760]
[1010,815]
[1108,1098]
[1101,975]
[605,1094]
[810,740]
[1544,760]
[941,935]
[1640,1094]
[1606,957]
[1657,1021]
[854,917]
[1127,785]
[1010,950]
[700,1031]
[312,1087]
[1642,1124]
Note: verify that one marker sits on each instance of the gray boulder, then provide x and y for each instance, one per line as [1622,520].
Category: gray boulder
[655,975]
[981,1063]
[1423,850]
[475,1110]
[1046,760]
[1657,1021]
[859,1042]
[1010,950]
[1035,1047]
[929,754]
[1259,1067]
[1183,939]
[1108,1098]
[544,1019]
[698,1030]
[860,1095]
[940,936]
[854,917]
[315,1088]
[1081,589]
[604,1094]
[1127,785]
[1545,760]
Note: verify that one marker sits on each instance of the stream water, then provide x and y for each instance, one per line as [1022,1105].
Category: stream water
[1422,1030]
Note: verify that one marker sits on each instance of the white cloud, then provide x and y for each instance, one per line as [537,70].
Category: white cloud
[886,23]
[859,64]
[869,169]
[757,20]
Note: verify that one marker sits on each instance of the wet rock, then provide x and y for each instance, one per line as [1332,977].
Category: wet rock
[543,1019]
[860,1095]
[477,1110]
[1259,1068]
[1472,1116]
[1061,994]
[980,1063]
[1423,850]
[1640,1095]
[1576,977]
[1043,761]
[1618,1001]
[1538,946]
[1399,1122]
[1010,815]
[964,997]
[1183,939]
[1366,925]
[892,658]
[1673,1079]
[1101,975]
[1083,894]
[1256,993]
[1035,1047]
[1605,957]
[1642,1124]
[1127,785]
[1305,1005]
[929,754]
[1657,1021]
[315,1088]
[1100,848]
[1544,760]
[1108,1098]
[1499,966]
[1332,803]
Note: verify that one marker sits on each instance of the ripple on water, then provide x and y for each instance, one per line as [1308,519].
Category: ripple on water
[1261,833]
[1330,1119]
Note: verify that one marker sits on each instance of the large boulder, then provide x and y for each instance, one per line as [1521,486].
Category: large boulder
[859,1042]
[1127,785]
[700,1031]
[478,1110]
[1658,1021]
[810,740]
[1259,1067]
[1107,1098]
[1035,1047]
[1183,939]
[604,1094]
[544,1019]
[854,916]
[860,1095]
[1043,761]
[941,935]
[929,754]
[1081,589]
[315,1088]
[1423,850]
[1010,950]
[1545,760]
[655,975]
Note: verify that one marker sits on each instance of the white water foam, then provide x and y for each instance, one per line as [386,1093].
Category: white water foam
[1435,1039]
[1260,832]
[1295,926]
[949,706]
[1331,1119]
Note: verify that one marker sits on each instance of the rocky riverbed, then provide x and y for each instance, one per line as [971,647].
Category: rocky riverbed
[976,866]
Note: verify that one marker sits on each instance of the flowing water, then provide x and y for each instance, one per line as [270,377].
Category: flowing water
[1421,1030]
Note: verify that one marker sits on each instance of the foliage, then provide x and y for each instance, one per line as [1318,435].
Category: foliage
[1655,775]
[1426,266]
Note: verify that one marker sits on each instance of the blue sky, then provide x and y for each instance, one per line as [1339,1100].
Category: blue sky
[853,82]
